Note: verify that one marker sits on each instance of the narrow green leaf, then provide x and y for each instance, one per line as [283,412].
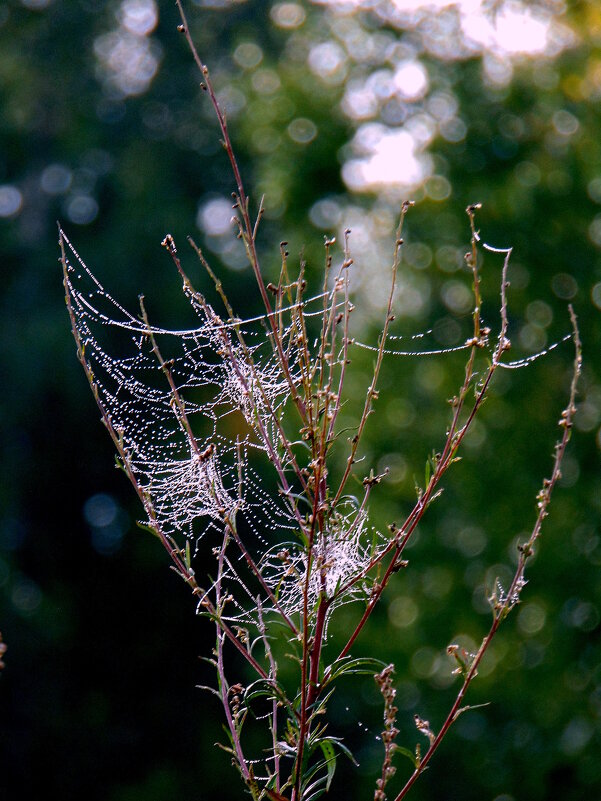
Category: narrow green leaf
[407,753]
[343,748]
[467,708]
[146,527]
[330,755]
[359,666]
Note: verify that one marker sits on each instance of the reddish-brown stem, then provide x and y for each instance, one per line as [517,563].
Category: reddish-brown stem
[257,573]
[172,549]
[504,605]
[345,335]
[453,713]
[223,685]
[243,204]
[372,389]
[218,324]
[452,443]
[274,705]
[184,422]
[313,688]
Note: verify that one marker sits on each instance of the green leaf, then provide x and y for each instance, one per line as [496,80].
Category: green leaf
[407,753]
[147,527]
[303,539]
[352,499]
[330,755]
[467,708]
[314,791]
[360,666]
[343,748]
[321,703]
[265,688]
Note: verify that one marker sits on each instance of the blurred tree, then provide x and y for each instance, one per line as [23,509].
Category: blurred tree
[338,111]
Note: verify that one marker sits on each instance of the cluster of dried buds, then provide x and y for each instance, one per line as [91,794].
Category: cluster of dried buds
[384,682]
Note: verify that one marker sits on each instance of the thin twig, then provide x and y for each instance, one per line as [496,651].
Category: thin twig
[503,606]
[243,203]
[372,389]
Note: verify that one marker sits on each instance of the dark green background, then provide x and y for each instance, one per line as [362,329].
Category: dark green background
[98,697]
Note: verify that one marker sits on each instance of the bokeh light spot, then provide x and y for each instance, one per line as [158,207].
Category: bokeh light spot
[531,618]
[403,612]
[36,5]
[139,17]
[100,510]
[594,230]
[302,130]
[56,179]
[565,123]
[215,217]
[266,81]
[411,80]
[248,55]
[527,173]
[11,201]
[326,214]
[390,158]
[539,313]
[438,187]
[575,736]
[288,15]
[82,209]
[328,60]
[594,189]
[26,596]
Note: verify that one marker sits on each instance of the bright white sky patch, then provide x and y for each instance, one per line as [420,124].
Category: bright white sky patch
[128,59]
[519,31]
[359,102]
[390,159]
[411,80]
[129,62]
[396,79]
[465,6]
[514,30]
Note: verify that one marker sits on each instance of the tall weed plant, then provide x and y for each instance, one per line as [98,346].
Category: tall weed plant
[231,434]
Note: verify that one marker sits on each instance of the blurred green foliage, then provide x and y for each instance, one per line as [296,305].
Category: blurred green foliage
[104,126]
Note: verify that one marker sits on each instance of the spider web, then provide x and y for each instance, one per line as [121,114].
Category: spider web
[198,414]
[197,444]
[191,473]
